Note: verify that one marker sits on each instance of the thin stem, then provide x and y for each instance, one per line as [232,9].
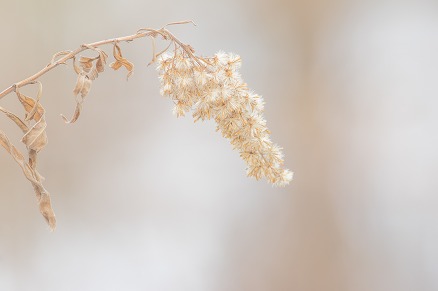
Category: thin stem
[185,47]
[68,56]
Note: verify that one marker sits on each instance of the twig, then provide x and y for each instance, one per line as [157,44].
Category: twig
[67,57]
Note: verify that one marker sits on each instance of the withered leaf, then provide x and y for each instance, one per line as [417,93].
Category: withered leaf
[15,119]
[10,148]
[33,162]
[79,84]
[43,196]
[29,104]
[101,61]
[35,138]
[86,63]
[88,67]
[87,71]
[47,210]
[75,115]
[76,67]
[121,61]
[93,74]
[91,67]
[83,85]
[30,114]
[86,88]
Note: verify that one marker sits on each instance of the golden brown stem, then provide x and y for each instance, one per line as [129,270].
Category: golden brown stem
[66,58]
[69,55]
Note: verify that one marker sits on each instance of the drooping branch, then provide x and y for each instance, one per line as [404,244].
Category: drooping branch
[210,87]
[145,32]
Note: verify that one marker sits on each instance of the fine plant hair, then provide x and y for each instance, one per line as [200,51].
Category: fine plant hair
[209,87]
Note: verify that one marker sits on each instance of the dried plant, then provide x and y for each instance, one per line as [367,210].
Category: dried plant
[210,87]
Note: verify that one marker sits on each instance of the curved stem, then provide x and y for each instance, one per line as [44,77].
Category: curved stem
[68,56]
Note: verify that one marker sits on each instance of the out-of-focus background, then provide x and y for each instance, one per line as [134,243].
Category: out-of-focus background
[146,201]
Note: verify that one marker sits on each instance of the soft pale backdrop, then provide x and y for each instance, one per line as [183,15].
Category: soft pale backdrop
[146,201]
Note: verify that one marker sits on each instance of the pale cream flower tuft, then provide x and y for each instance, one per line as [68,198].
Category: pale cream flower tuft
[213,88]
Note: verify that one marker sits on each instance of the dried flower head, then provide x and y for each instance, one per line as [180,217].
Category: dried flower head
[215,89]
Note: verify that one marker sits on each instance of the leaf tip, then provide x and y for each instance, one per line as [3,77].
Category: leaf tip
[47,211]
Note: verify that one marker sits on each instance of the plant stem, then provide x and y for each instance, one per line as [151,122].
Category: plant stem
[68,56]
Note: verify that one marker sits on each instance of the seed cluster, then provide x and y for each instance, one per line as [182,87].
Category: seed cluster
[212,88]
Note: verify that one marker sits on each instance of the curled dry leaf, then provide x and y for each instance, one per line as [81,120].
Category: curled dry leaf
[30,173]
[15,119]
[45,205]
[91,67]
[86,63]
[121,61]
[75,114]
[87,71]
[32,112]
[35,139]
[83,85]
[101,61]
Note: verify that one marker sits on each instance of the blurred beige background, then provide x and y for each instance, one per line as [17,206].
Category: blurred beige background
[146,201]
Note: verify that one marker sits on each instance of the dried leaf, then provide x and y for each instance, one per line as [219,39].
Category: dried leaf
[28,104]
[10,148]
[75,115]
[86,87]
[43,196]
[47,210]
[33,162]
[79,84]
[91,67]
[86,63]
[32,112]
[121,61]
[83,85]
[36,138]
[93,74]
[116,65]
[15,119]
[101,61]
[76,67]
[86,73]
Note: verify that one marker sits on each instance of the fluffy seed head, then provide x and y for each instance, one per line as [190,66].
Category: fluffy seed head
[216,90]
